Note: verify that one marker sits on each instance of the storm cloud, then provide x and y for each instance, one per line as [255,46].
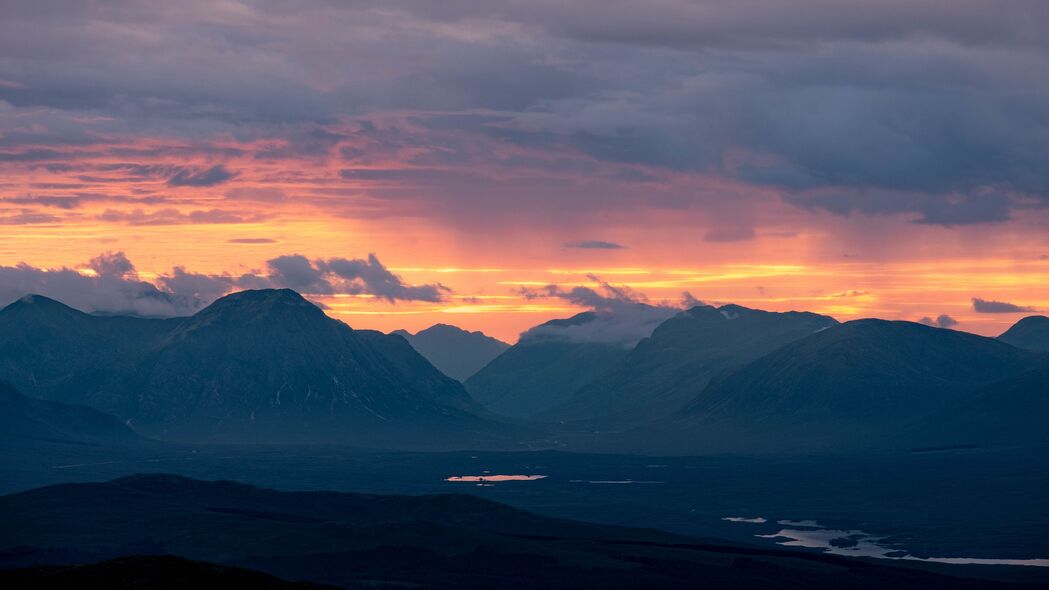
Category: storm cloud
[990,306]
[889,108]
[109,283]
[941,321]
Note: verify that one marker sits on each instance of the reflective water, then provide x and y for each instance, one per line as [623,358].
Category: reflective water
[493,478]
[856,543]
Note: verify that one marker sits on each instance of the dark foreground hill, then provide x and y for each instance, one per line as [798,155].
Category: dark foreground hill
[27,418]
[253,366]
[1032,333]
[668,369]
[456,352]
[443,541]
[156,572]
[866,384]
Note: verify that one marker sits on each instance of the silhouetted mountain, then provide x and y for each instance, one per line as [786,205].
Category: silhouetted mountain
[544,368]
[668,369]
[855,385]
[50,350]
[1032,333]
[256,365]
[441,541]
[23,417]
[1008,412]
[456,352]
[156,572]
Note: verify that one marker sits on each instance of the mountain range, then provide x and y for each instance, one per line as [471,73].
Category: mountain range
[384,541]
[866,384]
[673,365]
[456,352]
[269,366]
[545,367]
[263,365]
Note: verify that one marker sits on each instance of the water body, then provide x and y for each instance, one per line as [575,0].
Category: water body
[492,478]
[857,543]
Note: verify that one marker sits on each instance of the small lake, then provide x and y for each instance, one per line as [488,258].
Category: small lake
[496,478]
[857,543]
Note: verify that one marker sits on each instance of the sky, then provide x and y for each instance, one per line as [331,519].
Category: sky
[404,163]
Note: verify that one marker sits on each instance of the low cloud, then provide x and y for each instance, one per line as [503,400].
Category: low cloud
[941,321]
[252,241]
[618,316]
[593,245]
[28,218]
[195,177]
[990,306]
[171,216]
[109,283]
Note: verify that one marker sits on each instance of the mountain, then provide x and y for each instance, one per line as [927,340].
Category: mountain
[1013,411]
[435,541]
[669,368]
[23,417]
[262,365]
[545,367]
[456,352]
[50,350]
[855,385]
[1031,332]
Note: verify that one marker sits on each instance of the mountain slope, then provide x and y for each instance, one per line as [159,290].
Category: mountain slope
[1031,332]
[23,417]
[261,365]
[857,384]
[543,370]
[669,368]
[438,541]
[50,350]
[456,352]
[1013,411]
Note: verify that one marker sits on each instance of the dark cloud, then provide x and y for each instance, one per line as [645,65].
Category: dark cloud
[207,177]
[897,107]
[108,291]
[114,264]
[990,306]
[114,286]
[344,275]
[370,276]
[60,202]
[594,245]
[252,241]
[941,321]
[295,271]
[28,218]
[171,216]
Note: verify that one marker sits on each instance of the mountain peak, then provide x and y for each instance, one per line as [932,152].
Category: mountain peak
[39,306]
[37,300]
[1032,332]
[259,302]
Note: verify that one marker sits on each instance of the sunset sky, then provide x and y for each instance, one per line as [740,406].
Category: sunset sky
[406,163]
